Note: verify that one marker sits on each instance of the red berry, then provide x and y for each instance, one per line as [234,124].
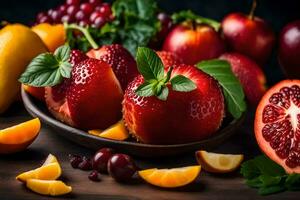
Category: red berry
[84,23]
[95,2]
[40,15]
[73,2]
[105,9]
[50,12]
[99,22]
[101,158]
[72,10]
[86,8]
[121,167]
[75,160]
[45,19]
[67,19]
[56,16]
[94,15]
[63,9]
[93,176]
[80,15]
[85,164]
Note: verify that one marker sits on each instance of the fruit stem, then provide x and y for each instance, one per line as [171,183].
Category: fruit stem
[251,14]
[85,32]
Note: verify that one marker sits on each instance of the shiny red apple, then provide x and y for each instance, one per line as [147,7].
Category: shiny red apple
[289,49]
[194,43]
[249,35]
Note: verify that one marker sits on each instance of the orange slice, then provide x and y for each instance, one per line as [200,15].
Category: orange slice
[170,178]
[219,163]
[48,187]
[50,159]
[116,132]
[19,137]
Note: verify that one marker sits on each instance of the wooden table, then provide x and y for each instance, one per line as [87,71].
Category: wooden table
[208,186]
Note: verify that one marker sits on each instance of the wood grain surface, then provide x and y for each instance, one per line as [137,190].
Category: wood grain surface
[207,187]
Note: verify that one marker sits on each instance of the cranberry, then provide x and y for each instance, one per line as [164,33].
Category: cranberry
[85,164]
[45,19]
[56,16]
[75,160]
[105,9]
[63,9]
[72,10]
[99,22]
[67,19]
[87,8]
[80,15]
[95,2]
[94,176]
[121,167]
[73,2]
[101,158]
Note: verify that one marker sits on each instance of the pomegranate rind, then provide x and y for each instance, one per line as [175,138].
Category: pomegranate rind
[258,125]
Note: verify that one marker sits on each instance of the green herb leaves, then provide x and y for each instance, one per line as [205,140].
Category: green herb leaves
[152,69]
[232,89]
[48,69]
[187,15]
[268,177]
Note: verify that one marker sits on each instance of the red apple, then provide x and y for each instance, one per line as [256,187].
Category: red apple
[248,35]
[194,43]
[289,49]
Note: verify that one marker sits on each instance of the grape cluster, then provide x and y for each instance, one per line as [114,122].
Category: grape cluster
[93,13]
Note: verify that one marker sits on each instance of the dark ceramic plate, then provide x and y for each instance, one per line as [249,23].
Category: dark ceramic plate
[38,109]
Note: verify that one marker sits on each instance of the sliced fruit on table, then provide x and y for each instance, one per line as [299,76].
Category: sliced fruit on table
[218,163]
[19,137]
[52,35]
[116,132]
[48,187]
[170,178]
[37,92]
[50,159]
[19,45]
[277,124]
[50,170]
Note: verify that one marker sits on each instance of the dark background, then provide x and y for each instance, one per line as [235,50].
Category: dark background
[276,12]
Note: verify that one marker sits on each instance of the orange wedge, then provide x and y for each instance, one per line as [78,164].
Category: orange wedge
[50,159]
[170,178]
[48,187]
[19,137]
[116,132]
[219,163]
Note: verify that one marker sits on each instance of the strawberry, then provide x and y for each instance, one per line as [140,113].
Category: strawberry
[121,61]
[169,59]
[189,106]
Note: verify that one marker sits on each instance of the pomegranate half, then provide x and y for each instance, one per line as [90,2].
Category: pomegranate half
[277,124]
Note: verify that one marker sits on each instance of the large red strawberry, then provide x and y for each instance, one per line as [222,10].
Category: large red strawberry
[121,61]
[90,99]
[169,59]
[250,75]
[188,108]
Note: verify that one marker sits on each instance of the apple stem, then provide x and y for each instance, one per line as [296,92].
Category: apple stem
[85,32]
[251,14]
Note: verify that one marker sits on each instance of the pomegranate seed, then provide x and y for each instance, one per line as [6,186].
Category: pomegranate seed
[63,9]
[45,19]
[86,164]
[67,19]
[75,160]
[80,15]
[95,2]
[40,15]
[73,2]
[84,23]
[56,16]
[72,10]
[86,8]
[94,176]
[105,9]
[94,15]
[99,22]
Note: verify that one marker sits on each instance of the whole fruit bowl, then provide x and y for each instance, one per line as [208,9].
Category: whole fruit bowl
[38,109]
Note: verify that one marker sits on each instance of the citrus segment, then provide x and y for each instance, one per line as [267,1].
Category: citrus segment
[116,132]
[48,187]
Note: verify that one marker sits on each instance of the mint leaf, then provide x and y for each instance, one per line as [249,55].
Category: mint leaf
[48,69]
[182,84]
[271,189]
[149,64]
[292,182]
[255,182]
[232,89]
[164,94]
[268,180]
[145,90]
[188,15]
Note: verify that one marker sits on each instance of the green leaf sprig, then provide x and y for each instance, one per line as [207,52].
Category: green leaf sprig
[232,89]
[48,69]
[152,69]
[188,15]
[268,177]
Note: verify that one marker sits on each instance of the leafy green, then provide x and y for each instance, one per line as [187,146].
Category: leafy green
[152,69]
[188,15]
[232,89]
[135,24]
[48,69]
[268,177]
